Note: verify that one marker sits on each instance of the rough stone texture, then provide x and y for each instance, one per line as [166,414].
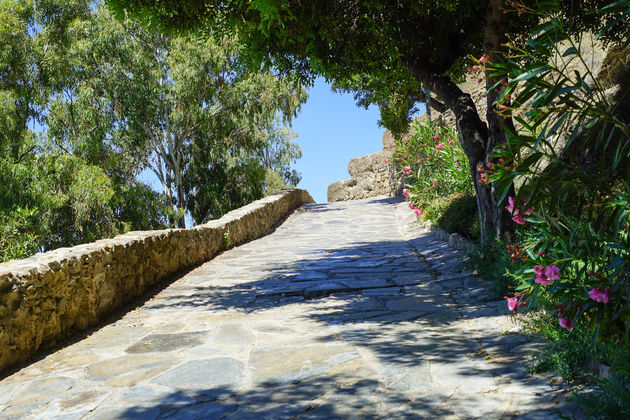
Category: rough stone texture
[45,296]
[370,176]
[398,329]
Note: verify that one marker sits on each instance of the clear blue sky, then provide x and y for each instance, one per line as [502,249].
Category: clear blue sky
[332,130]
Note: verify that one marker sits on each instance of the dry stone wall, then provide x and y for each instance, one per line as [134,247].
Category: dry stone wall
[44,297]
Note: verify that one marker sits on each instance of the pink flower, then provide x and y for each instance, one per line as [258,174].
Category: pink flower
[412,207]
[405,192]
[440,146]
[387,160]
[436,138]
[450,141]
[510,206]
[566,323]
[406,170]
[542,279]
[419,212]
[552,272]
[539,270]
[518,219]
[435,185]
[475,67]
[512,303]
[528,211]
[599,295]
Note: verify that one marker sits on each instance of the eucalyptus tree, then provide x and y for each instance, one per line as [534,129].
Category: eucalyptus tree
[133,99]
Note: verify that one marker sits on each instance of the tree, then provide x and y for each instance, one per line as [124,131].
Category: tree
[277,155]
[55,190]
[386,52]
[154,98]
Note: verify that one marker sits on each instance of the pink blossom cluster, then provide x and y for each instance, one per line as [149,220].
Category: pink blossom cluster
[516,212]
[546,275]
[515,253]
[566,323]
[418,211]
[599,295]
[478,67]
[406,170]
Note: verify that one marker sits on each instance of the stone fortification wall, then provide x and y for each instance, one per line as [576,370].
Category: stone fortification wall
[44,297]
[370,176]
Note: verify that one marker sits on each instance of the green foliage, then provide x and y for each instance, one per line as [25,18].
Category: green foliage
[569,357]
[432,159]
[370,57]
[17,236]
[51,201]
[277,154]
[493,265]
[112,99]
[456,213]
[226,185]
[192,106]
[570,157]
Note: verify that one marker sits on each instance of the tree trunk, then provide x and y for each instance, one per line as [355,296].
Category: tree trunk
[473,136]
[181,222]
[477,139]
[494,38]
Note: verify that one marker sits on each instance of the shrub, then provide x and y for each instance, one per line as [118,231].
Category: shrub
[569,157]
[460,216]
[433,163]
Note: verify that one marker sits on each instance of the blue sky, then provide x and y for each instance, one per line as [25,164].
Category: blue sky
[332,130]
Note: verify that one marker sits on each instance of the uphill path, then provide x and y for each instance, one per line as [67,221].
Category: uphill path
[347,310]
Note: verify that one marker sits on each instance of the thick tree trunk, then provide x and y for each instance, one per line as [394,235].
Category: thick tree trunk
[477,139]
[473,136]
[494,38]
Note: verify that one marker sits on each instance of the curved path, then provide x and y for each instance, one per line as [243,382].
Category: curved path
[345,311]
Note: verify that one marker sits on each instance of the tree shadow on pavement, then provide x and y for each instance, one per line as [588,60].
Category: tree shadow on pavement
[329,396]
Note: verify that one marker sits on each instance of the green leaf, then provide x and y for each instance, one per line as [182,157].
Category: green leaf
[531,73]
[570,51]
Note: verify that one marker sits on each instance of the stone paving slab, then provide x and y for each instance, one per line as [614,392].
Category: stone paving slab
[348,310]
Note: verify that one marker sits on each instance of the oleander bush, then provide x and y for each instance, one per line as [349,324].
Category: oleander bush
[569,158]
[438,183]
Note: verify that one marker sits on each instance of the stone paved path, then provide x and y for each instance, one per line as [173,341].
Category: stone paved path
[346,311]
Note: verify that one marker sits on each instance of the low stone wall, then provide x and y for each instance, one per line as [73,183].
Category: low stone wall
[44,297]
